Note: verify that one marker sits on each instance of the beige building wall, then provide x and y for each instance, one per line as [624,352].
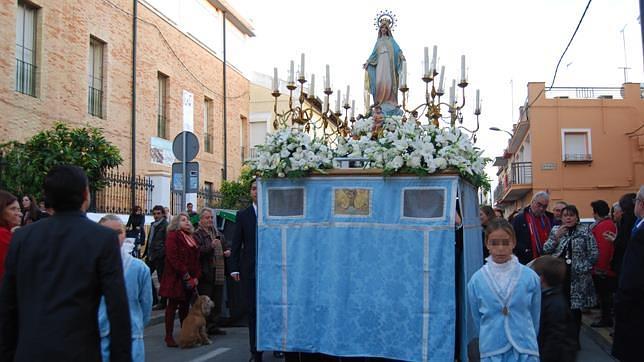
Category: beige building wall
[63,34]
[615,146]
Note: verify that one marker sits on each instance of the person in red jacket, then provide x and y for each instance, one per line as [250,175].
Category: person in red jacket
[10,217]
[604,277]
[181,272]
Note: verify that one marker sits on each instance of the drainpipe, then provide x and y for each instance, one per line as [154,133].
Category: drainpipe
[133,147]
[642,21]
[225,170]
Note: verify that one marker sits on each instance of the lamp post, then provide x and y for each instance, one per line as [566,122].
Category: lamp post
[497,129]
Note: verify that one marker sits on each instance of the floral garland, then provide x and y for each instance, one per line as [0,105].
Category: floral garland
[390,145]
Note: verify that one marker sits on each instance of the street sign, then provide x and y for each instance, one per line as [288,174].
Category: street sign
[192,170]
[192,146]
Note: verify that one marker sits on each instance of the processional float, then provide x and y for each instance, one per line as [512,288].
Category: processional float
[359,250]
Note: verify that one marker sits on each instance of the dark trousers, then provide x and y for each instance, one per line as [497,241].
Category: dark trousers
[158,266]
[170,310]
[250,296]
[216,294]
[605,287]
[576,326]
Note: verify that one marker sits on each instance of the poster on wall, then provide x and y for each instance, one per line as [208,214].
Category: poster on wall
[188,111]
[161,151]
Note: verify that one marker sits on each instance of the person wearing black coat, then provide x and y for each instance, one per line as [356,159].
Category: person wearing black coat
[629,299]
[537,209]
[556,325]
[243,265]
[56,272]
[156,249]
[624,228]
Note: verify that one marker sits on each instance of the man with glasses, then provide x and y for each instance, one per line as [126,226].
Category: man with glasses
[532,226]
[156,250]
[629,299]
[556,210]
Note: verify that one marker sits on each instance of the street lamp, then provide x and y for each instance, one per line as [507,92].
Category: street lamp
[501,130]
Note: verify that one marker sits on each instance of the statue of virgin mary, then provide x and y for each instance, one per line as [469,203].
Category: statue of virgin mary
[383,69]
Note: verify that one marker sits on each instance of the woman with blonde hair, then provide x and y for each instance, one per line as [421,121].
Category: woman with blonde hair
[181,272]
[138,286]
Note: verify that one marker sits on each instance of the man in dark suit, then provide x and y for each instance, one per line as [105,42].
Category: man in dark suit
[629,299]
[56,271]
[242,264]
[532,227]
[156,250]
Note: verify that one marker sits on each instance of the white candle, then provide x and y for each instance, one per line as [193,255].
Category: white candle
[452,95]
[478,101]
[275,80]
[347,96]
[440,83]
[337,102]
[353,107]
[403,75]
[327,85]
[291,74]
[426,52]
[302,73]
[312,88]
[326,103]
[433,68]
[463,68]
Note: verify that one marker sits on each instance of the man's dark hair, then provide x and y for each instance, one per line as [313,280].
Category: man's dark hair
[552,269]
[64,187]
[159,208]
[189,204]
[627,204]
[600,207]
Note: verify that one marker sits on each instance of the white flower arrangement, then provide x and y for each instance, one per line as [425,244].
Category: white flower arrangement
[394,146]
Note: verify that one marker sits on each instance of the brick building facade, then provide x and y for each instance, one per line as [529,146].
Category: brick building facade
[73,63]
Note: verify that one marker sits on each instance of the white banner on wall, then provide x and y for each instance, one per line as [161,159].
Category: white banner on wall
[188,111]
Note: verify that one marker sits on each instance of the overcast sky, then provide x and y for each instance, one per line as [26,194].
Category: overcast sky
[508,43]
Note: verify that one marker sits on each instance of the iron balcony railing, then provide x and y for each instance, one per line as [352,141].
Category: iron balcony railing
[25,78]
[161,126]
[95,102]
[207,142]
[521,173]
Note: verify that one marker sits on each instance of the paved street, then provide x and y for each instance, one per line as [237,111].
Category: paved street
[233,347]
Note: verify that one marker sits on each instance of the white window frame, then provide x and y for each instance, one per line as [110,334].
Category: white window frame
[589,151]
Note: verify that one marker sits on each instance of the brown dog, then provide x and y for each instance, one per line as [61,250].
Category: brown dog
[193,331]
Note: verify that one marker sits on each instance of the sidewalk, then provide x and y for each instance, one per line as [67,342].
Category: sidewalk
[601,336]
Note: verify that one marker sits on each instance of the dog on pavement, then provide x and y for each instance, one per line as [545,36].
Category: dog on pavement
[193,331]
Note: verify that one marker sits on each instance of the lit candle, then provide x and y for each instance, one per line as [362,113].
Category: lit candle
[452,95]
[291,74]
[403,75]
[327,85]
[440,83]
[347,97]
[275,80]
[433,68]
[478,101]
[426,61]
[337,102]
[302,73]
[463,68]
[312,88]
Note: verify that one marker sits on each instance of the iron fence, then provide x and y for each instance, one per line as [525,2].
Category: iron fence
[521,173]
[205,198]
[95,102]
[116,197]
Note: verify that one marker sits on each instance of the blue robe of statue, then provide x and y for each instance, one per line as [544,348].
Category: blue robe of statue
[383,68]
[138,285]
[506,319]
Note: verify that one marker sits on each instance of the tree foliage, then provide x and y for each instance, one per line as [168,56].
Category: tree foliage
[26,164]
[236,194]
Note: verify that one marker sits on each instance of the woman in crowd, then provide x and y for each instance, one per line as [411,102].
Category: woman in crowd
[624,228]
[181,272]
[10,217]
[486,214]
[505,300]
[135,227]
[138,286]
[575,243]
[604,231]
[30,211]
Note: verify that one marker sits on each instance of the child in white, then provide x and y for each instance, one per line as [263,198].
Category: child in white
[505,300]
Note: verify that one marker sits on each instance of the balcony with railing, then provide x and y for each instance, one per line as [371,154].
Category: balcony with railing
[515,183]
[207,142]
[95,102]
[25,78]
[162,126]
